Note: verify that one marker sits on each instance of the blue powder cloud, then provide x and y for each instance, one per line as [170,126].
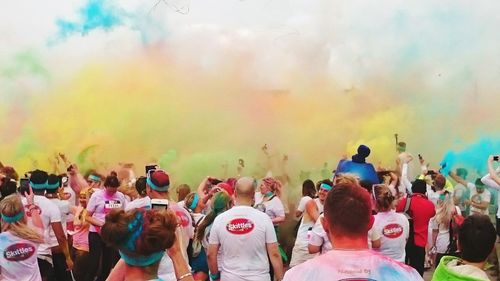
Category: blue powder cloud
[473,156]
[95,14]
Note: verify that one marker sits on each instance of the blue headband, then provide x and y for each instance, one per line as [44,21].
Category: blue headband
[142,260]
[325,186]
[13,218]
[154,186]
[94,178]
[135,229]
[38,185]
[52,186]
[196,198]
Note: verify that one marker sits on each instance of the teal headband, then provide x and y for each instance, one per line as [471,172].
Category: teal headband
[38,185]
[94,178]
[196,198]
[14,218]
[52,186]
[142,260]
[154,186]
[325,187]
[269,194]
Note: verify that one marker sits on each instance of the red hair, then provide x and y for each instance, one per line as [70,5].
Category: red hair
[348,210]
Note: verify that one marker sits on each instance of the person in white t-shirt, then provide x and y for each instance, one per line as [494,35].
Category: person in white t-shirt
[101,203]
[440,225]
[52,192]
[269,200]
[347,220]
[393,227]
[492,179]
[480,197]
[18,241]
[246,238]
[51,218]
[157,187]
[318,238]
[308,193]
[143,202]
[313,209]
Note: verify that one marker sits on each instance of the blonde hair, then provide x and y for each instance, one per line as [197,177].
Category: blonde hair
[273,185]
[445,209]
[11,206]
[346,178]
[383,197]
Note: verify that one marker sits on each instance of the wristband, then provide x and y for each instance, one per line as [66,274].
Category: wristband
[184,276]
[215,276]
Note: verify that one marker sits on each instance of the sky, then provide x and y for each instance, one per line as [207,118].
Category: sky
[198,84]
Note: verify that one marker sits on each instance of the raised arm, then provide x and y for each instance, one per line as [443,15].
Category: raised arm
[493,174]
[458,179]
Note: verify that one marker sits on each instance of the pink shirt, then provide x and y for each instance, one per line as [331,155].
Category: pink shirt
[100,204]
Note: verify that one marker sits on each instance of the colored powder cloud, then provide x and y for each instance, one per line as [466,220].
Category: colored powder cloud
[94,15]
[472,156]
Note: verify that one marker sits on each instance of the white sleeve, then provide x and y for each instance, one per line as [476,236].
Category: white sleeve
[279,209]
[490,182]
[404,178]
[487,196]
[214,233]
[270,233]
[55,213]
[302,203]
[317,234]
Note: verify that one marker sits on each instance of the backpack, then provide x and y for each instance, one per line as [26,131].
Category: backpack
[408,215]
[455,223]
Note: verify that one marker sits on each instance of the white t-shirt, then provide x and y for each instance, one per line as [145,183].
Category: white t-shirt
[493,184]
[394,230]
[273,208]
[49,213]
[319,237]
[443,238]
[100,204]
[485,196]
[63,206]
[139,203]
[242,233]
[352,265]
[18,259]
[71,201]
[302,203]
[306,223]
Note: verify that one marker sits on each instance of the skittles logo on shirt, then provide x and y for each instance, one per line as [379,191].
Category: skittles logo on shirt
[19,252]
[240,226]
[392,230]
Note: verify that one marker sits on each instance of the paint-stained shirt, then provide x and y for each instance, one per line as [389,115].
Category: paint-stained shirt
[242,233]
[18,258]
[352,265]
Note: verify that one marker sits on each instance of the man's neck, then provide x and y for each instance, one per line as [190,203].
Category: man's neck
[349,243]
[479,265]
[139,273]
[243,202]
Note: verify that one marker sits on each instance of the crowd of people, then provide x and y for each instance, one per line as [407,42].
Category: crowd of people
[361,223]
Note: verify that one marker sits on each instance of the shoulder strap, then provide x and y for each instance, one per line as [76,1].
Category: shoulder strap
[407,205]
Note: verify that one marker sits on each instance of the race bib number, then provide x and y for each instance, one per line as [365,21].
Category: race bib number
[111,204]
